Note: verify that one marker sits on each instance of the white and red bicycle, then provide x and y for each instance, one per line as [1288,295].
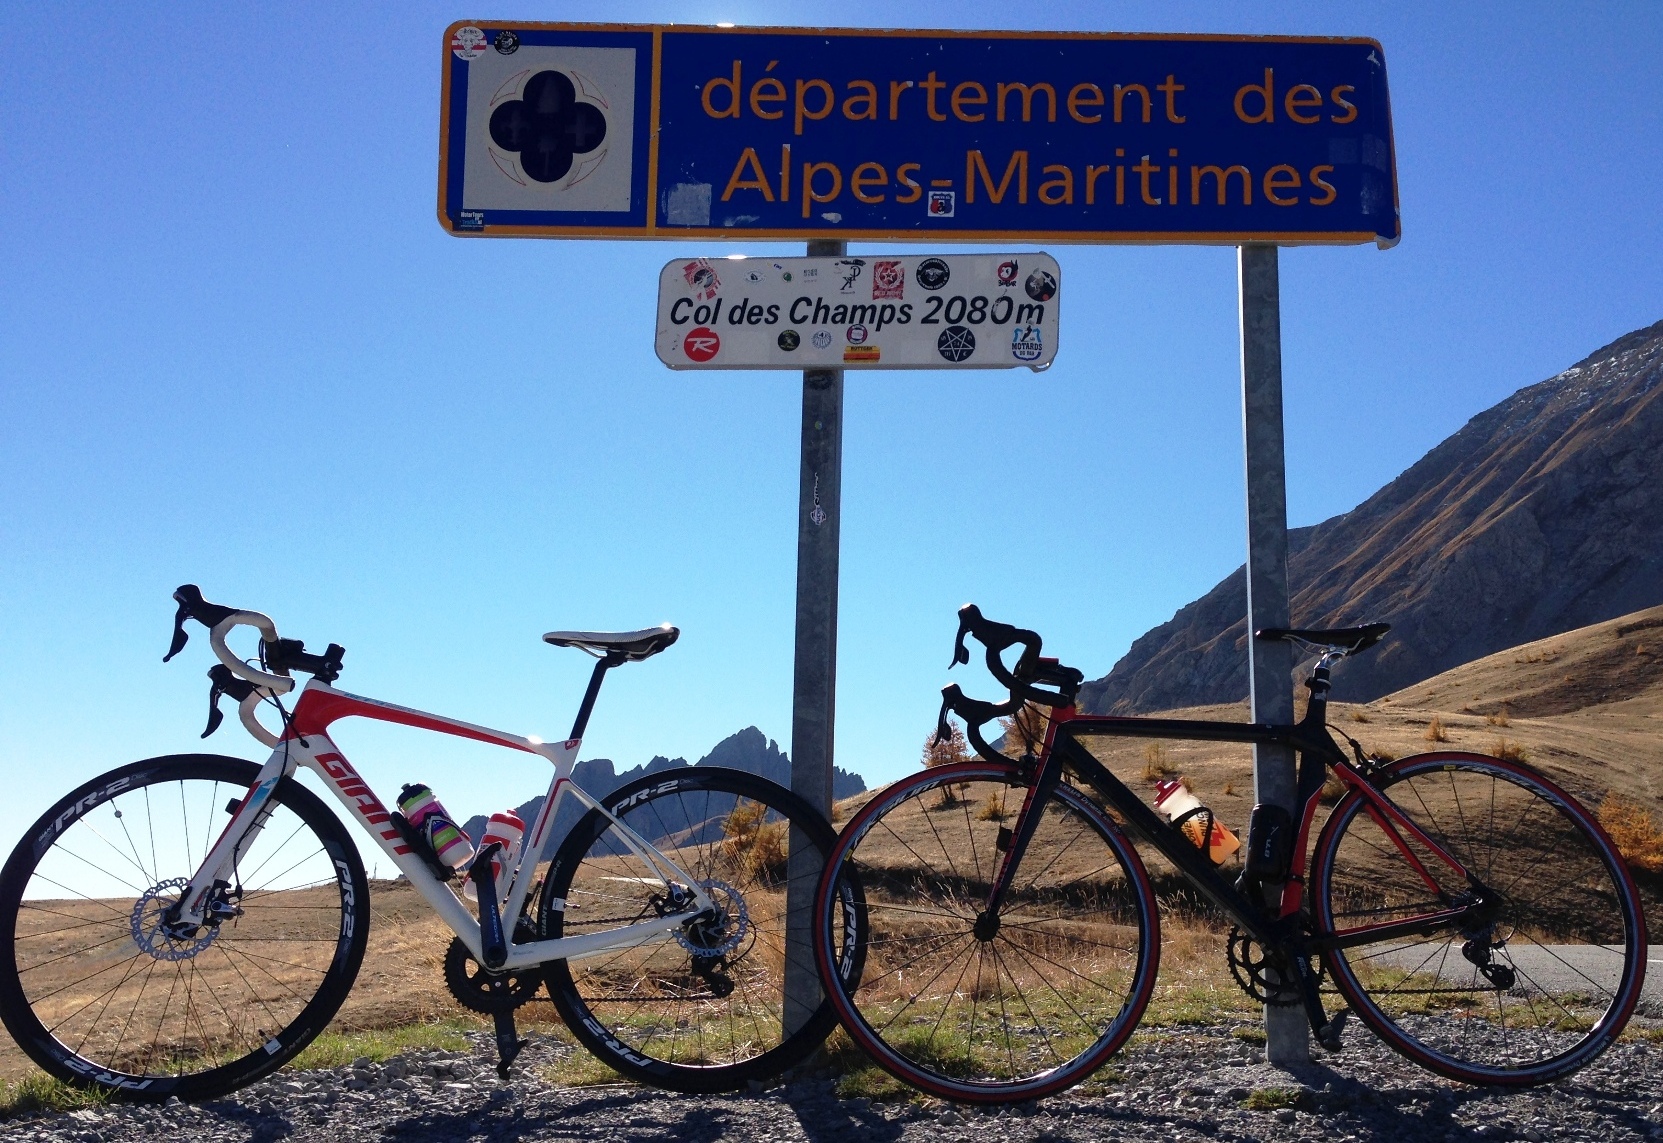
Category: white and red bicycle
[183,925]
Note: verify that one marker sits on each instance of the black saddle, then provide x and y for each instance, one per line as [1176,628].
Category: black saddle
[633,646]
[1348,639]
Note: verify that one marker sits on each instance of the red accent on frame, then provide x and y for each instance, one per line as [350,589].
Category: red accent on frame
[317,709]
[354,789]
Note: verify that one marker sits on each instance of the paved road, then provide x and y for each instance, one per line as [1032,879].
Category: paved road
[1551,968]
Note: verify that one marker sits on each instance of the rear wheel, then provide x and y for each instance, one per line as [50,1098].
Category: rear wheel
[99,994]
[1532,988]
[990,1009]
[705,1008]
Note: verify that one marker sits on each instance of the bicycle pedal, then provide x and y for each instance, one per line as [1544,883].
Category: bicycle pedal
[1329,1038]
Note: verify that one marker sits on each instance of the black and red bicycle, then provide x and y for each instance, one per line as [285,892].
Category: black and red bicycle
[1466,908]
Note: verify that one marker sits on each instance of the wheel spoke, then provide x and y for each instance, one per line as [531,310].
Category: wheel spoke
[172,1006]
[1553,920]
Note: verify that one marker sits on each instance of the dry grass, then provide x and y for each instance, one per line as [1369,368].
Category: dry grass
[1157,762]
[992,809]
[1634,832]
[1436,731]
[1359,715]
[1508,751]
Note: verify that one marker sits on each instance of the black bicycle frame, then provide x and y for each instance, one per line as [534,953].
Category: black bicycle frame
[1317,750]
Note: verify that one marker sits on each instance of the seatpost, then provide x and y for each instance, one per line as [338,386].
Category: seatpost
[1319,684]
[607,661]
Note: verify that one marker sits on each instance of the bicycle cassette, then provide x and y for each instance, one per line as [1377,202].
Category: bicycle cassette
[1265,976]
[472,985]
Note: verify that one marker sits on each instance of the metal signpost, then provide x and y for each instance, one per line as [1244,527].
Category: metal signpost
[828,135]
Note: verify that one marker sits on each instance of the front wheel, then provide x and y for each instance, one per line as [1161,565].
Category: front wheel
[1540,979]
[714,1003]
[979,1007]
[100,994]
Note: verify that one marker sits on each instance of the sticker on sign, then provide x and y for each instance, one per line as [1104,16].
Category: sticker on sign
[933,311]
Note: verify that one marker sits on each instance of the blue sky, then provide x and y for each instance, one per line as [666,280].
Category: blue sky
[238,350]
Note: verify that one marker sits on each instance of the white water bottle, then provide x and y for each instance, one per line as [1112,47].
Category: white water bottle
[507,829]
[1175,802]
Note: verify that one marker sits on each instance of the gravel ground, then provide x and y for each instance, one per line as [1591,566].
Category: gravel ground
[1189,1085]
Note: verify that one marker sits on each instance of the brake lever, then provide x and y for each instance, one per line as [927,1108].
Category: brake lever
[193,606]
[225,683]
[180,635]
[961,656]
[943,730]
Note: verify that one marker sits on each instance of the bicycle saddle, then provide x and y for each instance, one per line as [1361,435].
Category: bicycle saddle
[1351,639]
[632,645]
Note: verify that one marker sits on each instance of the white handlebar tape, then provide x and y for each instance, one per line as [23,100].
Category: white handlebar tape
[245,711]
[276,684]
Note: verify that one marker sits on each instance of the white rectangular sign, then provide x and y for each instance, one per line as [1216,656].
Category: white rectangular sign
[871,311]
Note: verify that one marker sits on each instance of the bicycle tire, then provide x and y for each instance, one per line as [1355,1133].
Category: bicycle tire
[209,1042]
[919,910]
[647,1012]
[1525,997]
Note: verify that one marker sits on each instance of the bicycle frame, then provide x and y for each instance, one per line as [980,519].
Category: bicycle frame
[306,742]
[1317,749]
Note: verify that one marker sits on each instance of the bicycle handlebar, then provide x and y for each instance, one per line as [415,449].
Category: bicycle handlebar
[220,620]
[1030,668]
[245,683]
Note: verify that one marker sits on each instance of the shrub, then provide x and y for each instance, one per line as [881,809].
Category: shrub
[751,843]
[1359,715]
[1435,731]
[1499,718]
[1157,764]
[993,808]
[1508,751]
[1633,831]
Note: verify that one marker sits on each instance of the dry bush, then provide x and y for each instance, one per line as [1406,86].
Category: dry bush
[1508,751]
[1157,763]
[1333,789]
[1025,730]
[749,842]
[1382,756]
[1435,731]
[993,808]
[1633,831]
[1230,790]
[1359,716]
[1499,718]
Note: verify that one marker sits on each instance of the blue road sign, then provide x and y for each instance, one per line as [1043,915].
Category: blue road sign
[654,131]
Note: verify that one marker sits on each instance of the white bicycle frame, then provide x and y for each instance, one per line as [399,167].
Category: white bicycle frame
[306,743]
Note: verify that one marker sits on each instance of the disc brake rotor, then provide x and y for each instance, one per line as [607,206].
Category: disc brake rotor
[149,929]
[719,934]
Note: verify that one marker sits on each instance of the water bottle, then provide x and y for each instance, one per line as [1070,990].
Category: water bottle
[1175,802]
[506,828]
[422,809]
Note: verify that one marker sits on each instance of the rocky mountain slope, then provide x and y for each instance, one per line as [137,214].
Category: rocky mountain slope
[748,750]
[1542,514]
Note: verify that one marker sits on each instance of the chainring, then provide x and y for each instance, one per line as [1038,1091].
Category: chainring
[1263,975]
[470,983]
